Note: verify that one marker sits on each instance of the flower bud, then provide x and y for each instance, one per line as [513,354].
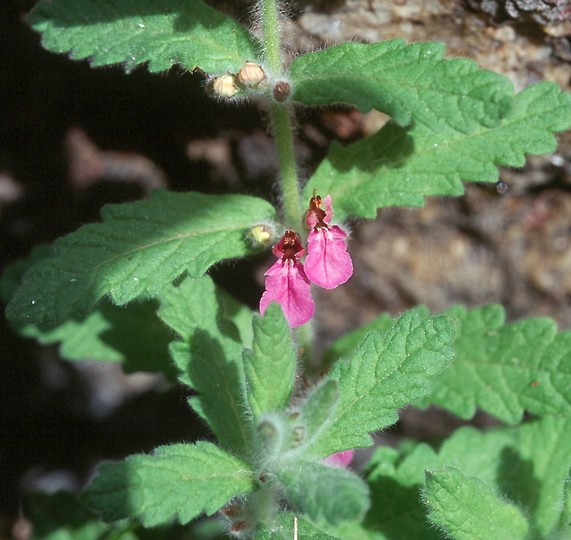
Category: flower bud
[282,90]
[251,74]
[261,235]
[340,459]
[225,86]
[270,435]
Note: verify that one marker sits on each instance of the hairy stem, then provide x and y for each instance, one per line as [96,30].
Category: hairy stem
[272,42]
[281,119]
[289,182]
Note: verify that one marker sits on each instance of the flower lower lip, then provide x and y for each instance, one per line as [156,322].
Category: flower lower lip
[328,264]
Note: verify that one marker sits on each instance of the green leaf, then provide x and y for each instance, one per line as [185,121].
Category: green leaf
[138,249]
[527,465]
[317,411]
[469,510]
[289,435]
[133,32]
[222,398]
[405,81]
[384,375]
[505,369]
[191,304]
[13,273]
[131,334]
[323,493]
[214,328]
[271,364]
[346,344]
[396,509]
[177,481]
[535,471]
[400,167]
[283,529]
[198,304]
[233,384]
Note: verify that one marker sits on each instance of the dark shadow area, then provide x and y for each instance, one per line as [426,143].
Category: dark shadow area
[47,429]
[397,511]
[518,481]
[218,383]
[137,333]
[389,147]
[63,510]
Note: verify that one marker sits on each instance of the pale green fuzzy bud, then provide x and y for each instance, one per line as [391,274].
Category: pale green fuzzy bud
[261,235]
[270,436]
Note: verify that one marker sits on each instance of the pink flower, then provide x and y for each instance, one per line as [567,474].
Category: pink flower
[327,263]
[286,282]
[340,459]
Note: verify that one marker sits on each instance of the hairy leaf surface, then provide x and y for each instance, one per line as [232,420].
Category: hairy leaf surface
[400,167]
[315,413]
[133,32]
[271,363]
[138,249]
[199,303]
[527,465]
[222,395]
[193,305]
[408,82]
[325,494]
[347,343]
[467,509]
[383,375]
[178,481]
[505,369]
[563,528]
[213,329]
[132,334]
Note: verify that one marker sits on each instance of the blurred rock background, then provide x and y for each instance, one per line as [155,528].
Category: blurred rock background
[73,139]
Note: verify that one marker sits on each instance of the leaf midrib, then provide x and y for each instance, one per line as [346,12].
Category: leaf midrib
[141,248]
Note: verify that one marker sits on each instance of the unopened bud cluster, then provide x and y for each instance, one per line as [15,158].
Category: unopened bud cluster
[250,79]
